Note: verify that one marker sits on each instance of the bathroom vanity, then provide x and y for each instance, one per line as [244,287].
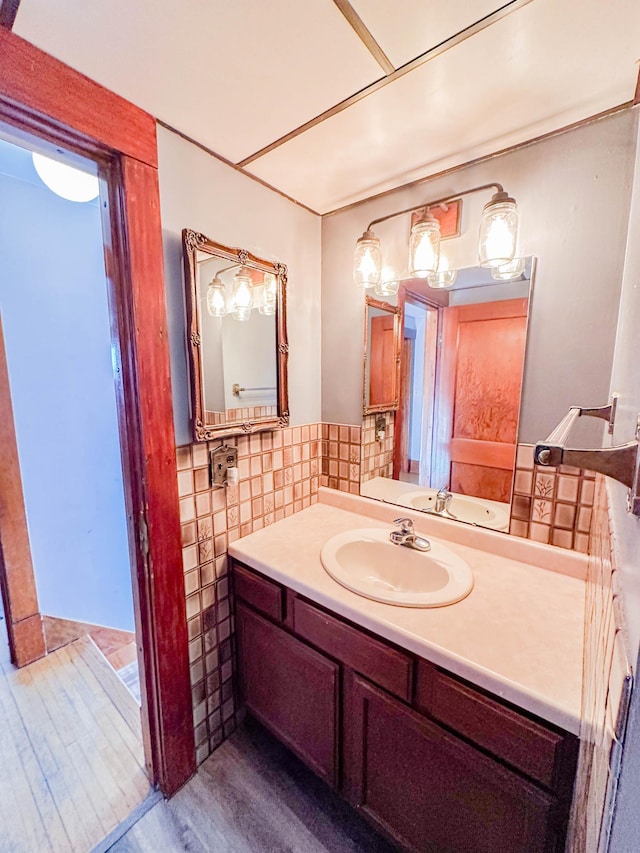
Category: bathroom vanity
[451,728]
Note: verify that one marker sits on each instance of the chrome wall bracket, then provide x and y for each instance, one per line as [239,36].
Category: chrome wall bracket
[621,462]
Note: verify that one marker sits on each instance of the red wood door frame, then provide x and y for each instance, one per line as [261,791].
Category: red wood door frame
[40,95]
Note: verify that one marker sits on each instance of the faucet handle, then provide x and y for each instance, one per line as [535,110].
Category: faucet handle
[406,525]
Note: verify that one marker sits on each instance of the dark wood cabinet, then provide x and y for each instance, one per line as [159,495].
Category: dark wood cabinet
[290,688]
[433,762]
[430,790]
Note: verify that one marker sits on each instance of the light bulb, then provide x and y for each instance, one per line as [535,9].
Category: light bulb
[216,301]
[367,260]
[65,181]
[510,271]
[424,247]
[498,231]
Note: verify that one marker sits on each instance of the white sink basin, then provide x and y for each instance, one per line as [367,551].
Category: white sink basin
[472,510]
[366,562]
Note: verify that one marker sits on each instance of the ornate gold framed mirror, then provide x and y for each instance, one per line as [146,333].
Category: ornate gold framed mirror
[236,339]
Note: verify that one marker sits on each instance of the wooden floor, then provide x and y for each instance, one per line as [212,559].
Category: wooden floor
[251,796]
[71,751]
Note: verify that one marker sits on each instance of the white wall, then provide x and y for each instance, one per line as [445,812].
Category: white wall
[625,380]
[573,195]
[199,192]
[53,300]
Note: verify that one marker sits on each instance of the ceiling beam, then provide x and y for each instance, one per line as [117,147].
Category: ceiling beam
[365,35]
[8,12]
[430,54]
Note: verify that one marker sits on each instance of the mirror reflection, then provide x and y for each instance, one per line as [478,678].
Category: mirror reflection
[237,339]
[382,334]
[456,426]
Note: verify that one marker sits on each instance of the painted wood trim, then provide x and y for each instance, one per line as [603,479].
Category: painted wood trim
[8,12]
[146,415]
[41,83]
[365,35]
[24,625]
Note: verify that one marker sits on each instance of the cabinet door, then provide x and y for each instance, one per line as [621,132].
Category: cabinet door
[290,688]
[431,791]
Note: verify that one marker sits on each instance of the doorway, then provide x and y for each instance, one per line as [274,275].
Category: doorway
[42,99]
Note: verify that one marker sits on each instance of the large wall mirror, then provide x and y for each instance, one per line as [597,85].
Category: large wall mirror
[237,339]
[456,424]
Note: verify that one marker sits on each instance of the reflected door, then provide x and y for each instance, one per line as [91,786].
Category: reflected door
[479,397]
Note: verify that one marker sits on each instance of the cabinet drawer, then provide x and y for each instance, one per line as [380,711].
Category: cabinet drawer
[387,667]
[263,594]
[545,755]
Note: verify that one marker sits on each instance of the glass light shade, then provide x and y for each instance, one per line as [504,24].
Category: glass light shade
[424,247]
[242,314]
[216,298]
[387,288]
[367,260]
[65,181]
[268,309]
[242,290]
[444,277]
[510,271]
[498,231]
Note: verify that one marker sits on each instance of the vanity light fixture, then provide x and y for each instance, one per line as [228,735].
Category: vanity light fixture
[510,271]
[497,239]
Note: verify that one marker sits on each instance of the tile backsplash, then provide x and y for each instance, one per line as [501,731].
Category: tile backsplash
[341,457]
[551,505]
[377,454]
[279,475]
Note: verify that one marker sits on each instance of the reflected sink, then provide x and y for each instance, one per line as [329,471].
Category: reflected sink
[366,562]
[472,510]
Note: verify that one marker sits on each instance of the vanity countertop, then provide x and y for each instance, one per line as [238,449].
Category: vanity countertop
[518,634]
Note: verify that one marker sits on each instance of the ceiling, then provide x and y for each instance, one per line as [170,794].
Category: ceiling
[331,101]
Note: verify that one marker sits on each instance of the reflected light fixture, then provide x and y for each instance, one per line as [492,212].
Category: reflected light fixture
[270,290]
[66,181]
[367,261]
[497,238]
[510,271]
[387,288]
[216,298]
[242,296]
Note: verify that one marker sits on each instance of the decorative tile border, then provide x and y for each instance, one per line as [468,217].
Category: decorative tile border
[377,456]
[341,457]
[551,505]
[279,475]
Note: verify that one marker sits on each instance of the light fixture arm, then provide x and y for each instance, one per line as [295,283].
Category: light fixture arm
[498,188]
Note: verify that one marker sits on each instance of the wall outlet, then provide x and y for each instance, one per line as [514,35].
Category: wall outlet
[220,460]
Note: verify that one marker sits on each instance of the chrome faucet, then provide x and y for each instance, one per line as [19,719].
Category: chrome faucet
[443,499]
[407,537]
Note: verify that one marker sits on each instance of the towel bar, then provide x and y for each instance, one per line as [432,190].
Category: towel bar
[620,462]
